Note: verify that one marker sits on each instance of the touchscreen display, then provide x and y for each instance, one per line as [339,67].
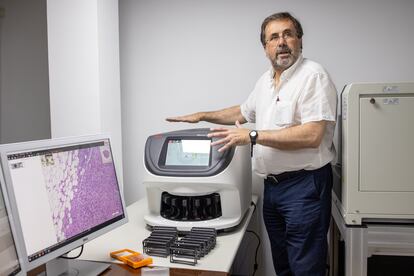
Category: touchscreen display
[182,152]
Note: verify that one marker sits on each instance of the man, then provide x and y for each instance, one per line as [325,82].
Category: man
[294,107]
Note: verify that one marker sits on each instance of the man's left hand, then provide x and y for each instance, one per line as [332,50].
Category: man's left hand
[230,136]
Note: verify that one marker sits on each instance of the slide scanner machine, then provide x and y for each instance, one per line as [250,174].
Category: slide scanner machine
[190,184]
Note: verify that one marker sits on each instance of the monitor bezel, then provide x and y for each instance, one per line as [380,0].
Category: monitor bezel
[44,145]
[20,258]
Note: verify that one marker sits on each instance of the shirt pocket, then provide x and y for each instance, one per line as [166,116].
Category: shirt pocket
[283,114]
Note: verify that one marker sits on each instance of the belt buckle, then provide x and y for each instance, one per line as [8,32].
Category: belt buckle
[273,178]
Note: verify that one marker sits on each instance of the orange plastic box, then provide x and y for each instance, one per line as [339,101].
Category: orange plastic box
[131,258]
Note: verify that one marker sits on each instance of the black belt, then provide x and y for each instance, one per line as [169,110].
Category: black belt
[276,178]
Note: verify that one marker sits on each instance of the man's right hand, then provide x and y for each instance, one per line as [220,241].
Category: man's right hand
[191,118]
[225,116]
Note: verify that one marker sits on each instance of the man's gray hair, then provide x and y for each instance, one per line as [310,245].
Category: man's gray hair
[280,16]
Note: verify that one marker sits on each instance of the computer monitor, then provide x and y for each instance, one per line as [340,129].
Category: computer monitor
[63,192]
[9,260]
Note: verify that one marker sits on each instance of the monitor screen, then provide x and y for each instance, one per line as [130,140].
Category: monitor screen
[182,152]
[64,193]
[9,262]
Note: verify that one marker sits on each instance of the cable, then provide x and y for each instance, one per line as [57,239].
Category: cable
[256,265]
[71,258]
[254,204]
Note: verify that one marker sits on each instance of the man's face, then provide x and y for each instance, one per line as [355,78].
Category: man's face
[283,47]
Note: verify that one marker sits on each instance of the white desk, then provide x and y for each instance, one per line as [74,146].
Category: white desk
[131,235]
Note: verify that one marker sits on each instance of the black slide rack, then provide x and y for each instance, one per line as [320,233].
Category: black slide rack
[160,241]
[164,241]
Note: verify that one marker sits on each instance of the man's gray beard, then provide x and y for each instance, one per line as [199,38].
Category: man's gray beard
[283,65]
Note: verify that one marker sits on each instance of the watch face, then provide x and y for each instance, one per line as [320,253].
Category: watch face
[253,133]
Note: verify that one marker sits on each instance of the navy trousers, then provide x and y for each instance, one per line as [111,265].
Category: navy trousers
[297,213]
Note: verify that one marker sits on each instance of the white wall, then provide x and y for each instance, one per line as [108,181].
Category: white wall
[73,67]
[109,76]
[24,83]
[83,59]
[206,55]
[186,56]
[83,39]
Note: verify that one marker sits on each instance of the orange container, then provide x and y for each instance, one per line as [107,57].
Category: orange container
[131,258]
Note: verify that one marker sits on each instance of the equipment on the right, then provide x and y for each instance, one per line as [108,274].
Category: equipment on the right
[377,136]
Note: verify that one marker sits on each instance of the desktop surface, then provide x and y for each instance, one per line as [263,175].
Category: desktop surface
[131,235]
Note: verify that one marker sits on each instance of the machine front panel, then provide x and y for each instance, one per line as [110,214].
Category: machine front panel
[386,136]
[185,153]
[377,135]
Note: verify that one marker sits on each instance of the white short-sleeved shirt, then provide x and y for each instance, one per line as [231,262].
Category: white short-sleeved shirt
[305,94]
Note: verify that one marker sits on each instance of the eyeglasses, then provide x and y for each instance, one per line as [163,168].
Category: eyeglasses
[286,35]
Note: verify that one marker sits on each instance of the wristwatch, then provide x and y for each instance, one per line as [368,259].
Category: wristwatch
[253,137]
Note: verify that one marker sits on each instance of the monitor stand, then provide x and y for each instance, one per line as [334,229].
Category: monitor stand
[65,267]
